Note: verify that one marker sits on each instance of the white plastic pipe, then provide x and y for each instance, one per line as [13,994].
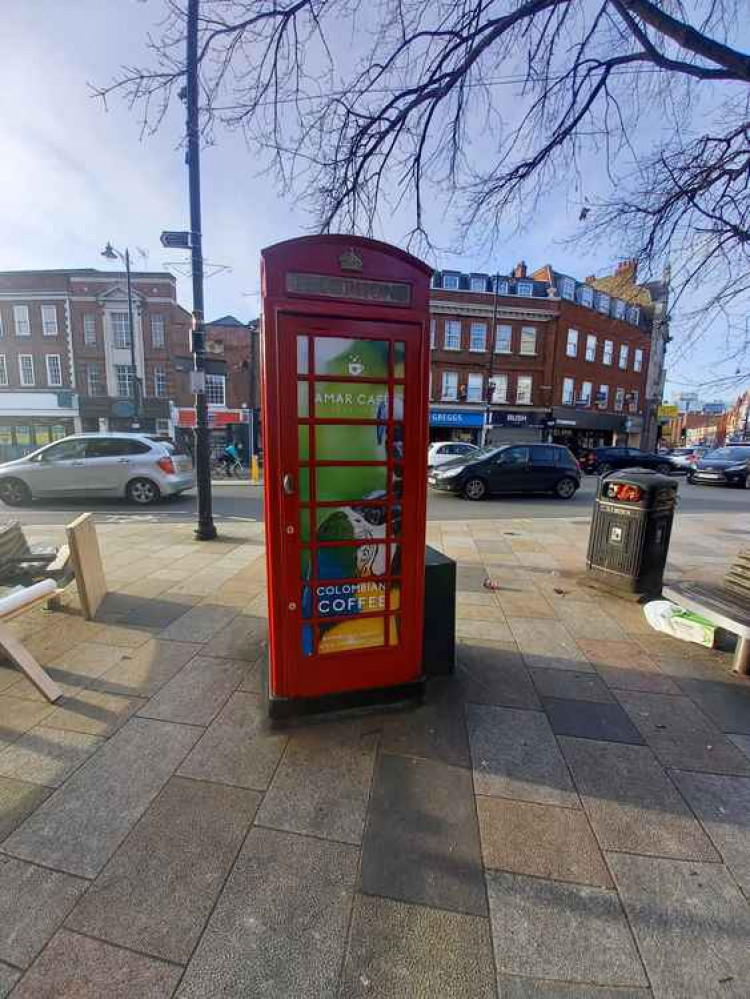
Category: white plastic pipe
[14,601]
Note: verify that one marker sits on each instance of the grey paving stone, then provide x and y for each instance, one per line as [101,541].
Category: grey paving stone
[589,720]
[77,967]
[541,840]
[200,623]
[742,742]
[94,712]
[279,927]
[572,685]
[470,577]
[239,747]
[18,716]
[631,803]
[434,730]
[18,799]
[399,951]
[548,645]
[722,804]
[146,669]
[33,904]
[8,676]
[47,755]
[535,988]
[515,755]
[681,735]
[691,923]
[322,784]
[726,704]
[198,692]
[240,639]
[422,842]
[565,932]
[81,825]
[157,892]
[493,675]
[8,978]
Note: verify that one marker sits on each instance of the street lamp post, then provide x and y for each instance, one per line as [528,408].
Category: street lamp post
[112,254]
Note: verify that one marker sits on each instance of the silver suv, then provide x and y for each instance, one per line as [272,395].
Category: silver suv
[138,466]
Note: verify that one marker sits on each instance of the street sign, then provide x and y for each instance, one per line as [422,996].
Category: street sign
[175,240]
[197,381]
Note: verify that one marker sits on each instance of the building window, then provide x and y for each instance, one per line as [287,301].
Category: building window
[452,340]
[499,286]
[157,331]
[26,369]
[623,359]
[638,360]
[634,315]
[49,320]
[121,330]
[478,337]
[525,288]
[162,427]
[160,381]
[587,295]
[568,289]
[474,388]
[94,384]
[568,391]
[523,390]
[54,370]
[528,340]
[433,333]
[609,352]
[3,370]
[586,389]
[216,390]
[478,283]
[450,282]
[2,328]
[21,320]
[503,339]
[590,347]
[619,399]
[89,329]
[602,396]
[633,400]
[124,375]
[603,303]
[450,385]
[571,347]
[619,308]
[499,385]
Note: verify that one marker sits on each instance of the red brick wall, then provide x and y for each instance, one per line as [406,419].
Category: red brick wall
[37,344]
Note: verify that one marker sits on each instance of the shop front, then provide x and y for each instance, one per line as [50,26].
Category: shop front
[29,420]
[509,426]
[225,426]
[456,424]
[104,414]
[581,429]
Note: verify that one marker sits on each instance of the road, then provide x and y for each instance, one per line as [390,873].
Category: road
[242,501]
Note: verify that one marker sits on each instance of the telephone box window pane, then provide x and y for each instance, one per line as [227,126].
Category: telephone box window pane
[352,561]
[397,408]
[303,400]
[350,442]
[303,367]
[395,556]
[396,434]
[397,481]
[399,359]
[351,358]
[346,636]
[359,482]
[303,442]
[304,525]
[305,563]
[394,629]
[304,485]
[395,525]
[349,401]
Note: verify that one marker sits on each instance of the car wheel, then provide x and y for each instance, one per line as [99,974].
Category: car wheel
[664,468]
[142,492]
[475,489]
[604,469]
[14,492]
[566,488]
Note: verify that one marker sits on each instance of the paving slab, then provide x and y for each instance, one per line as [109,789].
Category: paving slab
[200,623]
[80,826]
[399,951]
[469,577]
[239,747]
[494,674]
[322,784]
[93,712]
[586,620]
[515,755]
[8,978]
[483,631]
[18,715]
[521,605]
[80,968]
[197,693]
[239,639]
[536,988]
[626,666]
[560,683]
[279,927]
[742,742]
[591,720]
[157,892]
[433,730]
[8,676]
[681,735]
[47,755]
[422,844]
[540,840]
[722,804]
[691,923]
[726,704]
[145,670]
[549,645]
[572,933]
[18,799]
[631,802]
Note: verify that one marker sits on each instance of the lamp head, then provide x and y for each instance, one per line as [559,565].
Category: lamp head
[108,252]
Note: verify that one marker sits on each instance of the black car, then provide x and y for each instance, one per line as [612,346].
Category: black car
[726,466]
[602,460]
[510,468]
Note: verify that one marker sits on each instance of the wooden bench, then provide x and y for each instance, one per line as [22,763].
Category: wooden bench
[11,606]
[22,562]
[727,605]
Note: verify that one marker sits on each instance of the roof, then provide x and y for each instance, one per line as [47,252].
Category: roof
[621,286]
[87,272]
[226,321]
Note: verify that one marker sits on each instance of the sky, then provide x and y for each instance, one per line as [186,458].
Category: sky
[74,175]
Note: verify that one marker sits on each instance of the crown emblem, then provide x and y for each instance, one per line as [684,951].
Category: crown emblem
[350,260]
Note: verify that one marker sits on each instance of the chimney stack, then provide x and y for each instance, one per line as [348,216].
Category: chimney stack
[627,269]
[520,269]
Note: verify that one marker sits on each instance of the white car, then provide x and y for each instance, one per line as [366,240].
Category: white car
[443,451]
[138,466]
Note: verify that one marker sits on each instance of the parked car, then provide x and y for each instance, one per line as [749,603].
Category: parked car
[444,451]
[725,466]
[137,466]
[685,457]
[510,468]
[602,460]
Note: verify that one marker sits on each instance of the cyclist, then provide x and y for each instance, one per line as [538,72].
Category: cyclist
[231,458]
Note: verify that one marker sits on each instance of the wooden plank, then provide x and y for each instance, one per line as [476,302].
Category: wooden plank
[87,563]
[21,656]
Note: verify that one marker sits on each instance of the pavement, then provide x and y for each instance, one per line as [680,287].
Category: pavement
[567,817]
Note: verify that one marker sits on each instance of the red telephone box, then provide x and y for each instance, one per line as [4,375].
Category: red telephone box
[345,403]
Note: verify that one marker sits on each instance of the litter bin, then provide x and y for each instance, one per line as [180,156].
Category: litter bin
[439,644]
[630,530]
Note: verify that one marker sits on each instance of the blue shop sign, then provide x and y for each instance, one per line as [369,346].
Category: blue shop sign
[455,418]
